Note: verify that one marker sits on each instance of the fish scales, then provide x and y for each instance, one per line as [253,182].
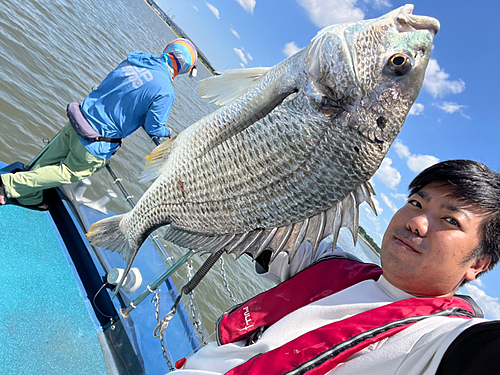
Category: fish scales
[289,158]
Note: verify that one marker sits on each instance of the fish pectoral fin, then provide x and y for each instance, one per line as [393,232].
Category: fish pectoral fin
[230,84]
[156,160]
[254,110]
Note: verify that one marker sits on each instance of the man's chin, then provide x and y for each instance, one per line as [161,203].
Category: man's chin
[400,262]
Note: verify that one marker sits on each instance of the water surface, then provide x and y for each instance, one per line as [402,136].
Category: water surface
[51,53]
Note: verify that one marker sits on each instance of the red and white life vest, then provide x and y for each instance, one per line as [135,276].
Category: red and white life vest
[322,349]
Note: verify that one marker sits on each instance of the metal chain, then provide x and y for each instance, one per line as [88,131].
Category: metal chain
[224,279]
[196,322]
[156,301]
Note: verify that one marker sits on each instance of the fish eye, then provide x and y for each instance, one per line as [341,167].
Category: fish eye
[399,64]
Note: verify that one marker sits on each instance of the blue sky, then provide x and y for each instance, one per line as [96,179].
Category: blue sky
[454,117]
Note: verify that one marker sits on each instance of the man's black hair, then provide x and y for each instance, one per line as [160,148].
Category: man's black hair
[475,184]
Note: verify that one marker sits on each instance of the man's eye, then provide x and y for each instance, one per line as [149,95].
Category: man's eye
[415,203]
[452,221]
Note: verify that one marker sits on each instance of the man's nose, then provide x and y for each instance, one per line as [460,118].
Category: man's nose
[418,225]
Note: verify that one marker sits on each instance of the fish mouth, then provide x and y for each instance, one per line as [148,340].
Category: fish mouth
[406,21]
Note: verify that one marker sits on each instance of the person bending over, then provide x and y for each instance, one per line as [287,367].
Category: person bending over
[138,93]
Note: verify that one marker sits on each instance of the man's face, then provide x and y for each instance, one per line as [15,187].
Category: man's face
[427,241]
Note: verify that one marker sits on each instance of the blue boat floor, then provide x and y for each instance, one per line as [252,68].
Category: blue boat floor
[45,327]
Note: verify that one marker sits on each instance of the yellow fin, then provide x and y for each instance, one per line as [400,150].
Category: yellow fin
[156,160]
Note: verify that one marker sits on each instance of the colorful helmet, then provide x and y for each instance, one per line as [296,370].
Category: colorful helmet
[181,55]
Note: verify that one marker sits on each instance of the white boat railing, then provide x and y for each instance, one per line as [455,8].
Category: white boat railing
[153,237]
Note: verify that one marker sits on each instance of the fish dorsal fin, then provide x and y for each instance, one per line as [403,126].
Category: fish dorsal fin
[230,84]
[315,229]
[156,160]
[287,238]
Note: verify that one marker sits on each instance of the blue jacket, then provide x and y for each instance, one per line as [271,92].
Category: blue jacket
[137,93]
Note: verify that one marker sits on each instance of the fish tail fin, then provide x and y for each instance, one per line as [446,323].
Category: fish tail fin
[156,160]
[107,234]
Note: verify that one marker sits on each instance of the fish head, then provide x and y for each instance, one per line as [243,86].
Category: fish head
[369,73]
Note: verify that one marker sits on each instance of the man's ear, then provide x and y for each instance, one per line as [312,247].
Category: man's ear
[477,266]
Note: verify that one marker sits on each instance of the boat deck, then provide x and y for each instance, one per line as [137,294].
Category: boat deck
[45,326]
[54,313]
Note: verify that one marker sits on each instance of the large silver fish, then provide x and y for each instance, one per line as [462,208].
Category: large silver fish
[289,159]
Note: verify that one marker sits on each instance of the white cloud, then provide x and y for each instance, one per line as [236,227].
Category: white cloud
[417,109]
[402,150]
[390,176]
[371,216]
[377,205]
[388,202]
[290,49]
[479,283]
[399,196]
[214,10]
[248,5]
[235,33]
[249,56]
[194,7]
[380,3]
[328,12]
[241,55]
[437,84]
[242,65]
[451,107]
[489,304]
[371,221]
[416,163]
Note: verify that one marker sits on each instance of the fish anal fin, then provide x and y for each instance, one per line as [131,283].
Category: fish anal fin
[337,223]
[349,216]
[238,245]
[313,229]
[283,240]
[253,242]
[297,238]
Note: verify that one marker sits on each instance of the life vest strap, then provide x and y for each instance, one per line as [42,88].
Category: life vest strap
[323,278]
[321,350]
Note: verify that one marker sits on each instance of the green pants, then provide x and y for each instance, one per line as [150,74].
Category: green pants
[65,161]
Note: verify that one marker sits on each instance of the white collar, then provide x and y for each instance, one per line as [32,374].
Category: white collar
[393,292]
